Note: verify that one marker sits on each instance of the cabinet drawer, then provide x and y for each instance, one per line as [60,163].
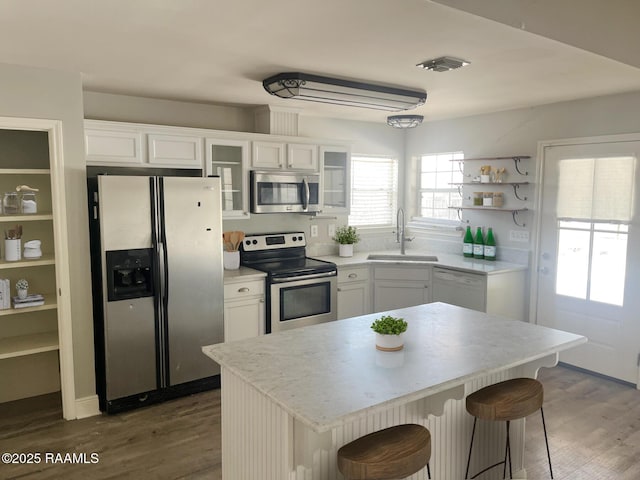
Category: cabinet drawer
[235,291]
[403,273]
[353,274]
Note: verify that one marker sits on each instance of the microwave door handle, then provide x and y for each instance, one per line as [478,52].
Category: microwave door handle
[307,195]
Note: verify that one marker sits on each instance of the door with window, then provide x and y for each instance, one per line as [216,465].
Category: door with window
[589,264]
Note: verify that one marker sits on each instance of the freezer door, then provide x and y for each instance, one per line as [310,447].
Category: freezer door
[129,326]
[125,212]
[130,347]
[194,286]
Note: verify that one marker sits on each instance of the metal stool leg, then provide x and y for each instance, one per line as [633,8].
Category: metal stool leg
[428,472]
[507,454]
[546,441]
[473,432]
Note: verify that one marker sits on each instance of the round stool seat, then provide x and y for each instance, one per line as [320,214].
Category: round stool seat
[508,400]
[392,453]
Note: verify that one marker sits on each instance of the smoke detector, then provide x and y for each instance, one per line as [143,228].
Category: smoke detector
[443,64]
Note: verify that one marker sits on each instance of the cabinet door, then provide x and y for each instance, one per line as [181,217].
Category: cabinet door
[243,319]
[336,179]
[113,146]
[392,294]
[268,155]
[175,150]
[229,159]
[302,156]
[353,299]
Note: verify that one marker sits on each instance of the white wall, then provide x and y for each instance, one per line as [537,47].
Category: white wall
[39,93]
[517,132]
[124,108]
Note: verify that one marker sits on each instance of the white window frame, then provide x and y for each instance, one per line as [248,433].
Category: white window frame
[355,158]
[431,224]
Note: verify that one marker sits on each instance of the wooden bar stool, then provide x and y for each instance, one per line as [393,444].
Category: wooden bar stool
[505,401]
[389,454]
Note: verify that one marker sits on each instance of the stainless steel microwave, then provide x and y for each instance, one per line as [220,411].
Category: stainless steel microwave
[284,192]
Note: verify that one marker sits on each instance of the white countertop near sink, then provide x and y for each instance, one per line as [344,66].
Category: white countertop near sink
[243,274]
[456,262]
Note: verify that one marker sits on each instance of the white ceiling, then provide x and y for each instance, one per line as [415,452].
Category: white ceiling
[215,51]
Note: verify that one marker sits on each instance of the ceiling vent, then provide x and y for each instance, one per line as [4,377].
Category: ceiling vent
[443,64]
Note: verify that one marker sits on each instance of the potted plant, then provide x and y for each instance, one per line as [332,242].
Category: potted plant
[389,333]
[346,236]
[22,287]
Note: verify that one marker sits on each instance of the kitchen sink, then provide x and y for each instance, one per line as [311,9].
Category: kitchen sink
[398,257]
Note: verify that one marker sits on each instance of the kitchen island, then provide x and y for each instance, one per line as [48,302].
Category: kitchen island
[290,400]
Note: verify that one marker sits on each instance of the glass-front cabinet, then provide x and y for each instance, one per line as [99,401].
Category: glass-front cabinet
[229,159]
[336,179]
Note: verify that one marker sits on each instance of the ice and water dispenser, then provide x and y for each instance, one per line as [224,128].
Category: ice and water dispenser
[129,274]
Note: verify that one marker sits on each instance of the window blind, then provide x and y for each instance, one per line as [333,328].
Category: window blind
[598,189]
[374,184]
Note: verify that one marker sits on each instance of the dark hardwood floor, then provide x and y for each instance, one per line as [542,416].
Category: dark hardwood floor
[593,425]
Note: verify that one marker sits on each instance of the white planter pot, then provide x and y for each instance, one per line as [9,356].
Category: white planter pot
[389,343]
[22,293]
[346,250]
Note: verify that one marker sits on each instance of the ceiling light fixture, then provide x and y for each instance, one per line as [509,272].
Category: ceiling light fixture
[443,64]
[315,88]
[404,121]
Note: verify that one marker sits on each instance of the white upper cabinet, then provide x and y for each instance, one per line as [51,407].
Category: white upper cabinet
[122,144]
[113,146]
[301,156]
[268,154]
[174,150]
[281,155]
[336,179]
[229,160]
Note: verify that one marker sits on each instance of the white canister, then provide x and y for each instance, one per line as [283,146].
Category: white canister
[231,260]
[12,249]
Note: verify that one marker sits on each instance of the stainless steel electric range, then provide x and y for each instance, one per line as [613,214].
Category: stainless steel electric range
[301,291]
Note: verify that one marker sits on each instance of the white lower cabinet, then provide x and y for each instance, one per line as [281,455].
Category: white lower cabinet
[498,293]
[353,291]
[400,286]
[244,314]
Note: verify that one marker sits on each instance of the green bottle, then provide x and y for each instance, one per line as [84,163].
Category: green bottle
[490,246]
[478,244]
[467,243]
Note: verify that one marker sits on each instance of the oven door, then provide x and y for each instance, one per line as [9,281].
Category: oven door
[302,301]
[282,192]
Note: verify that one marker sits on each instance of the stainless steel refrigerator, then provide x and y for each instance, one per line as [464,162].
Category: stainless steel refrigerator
[162,287]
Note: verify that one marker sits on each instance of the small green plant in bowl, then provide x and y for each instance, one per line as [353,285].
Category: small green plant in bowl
[388,325]
[22,284]
[346,235]
[389,333]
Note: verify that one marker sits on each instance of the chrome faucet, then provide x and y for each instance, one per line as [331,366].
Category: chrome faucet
[400,231]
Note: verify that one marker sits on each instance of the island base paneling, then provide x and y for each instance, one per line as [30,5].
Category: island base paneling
[262,440]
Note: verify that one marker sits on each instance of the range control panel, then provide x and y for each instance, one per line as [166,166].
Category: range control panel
[269,241]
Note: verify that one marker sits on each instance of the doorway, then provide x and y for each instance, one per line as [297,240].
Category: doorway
[588,260]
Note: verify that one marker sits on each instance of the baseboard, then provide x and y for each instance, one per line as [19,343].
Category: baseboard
[87,407]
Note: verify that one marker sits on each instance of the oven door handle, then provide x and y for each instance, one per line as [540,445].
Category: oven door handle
[307,195]
[303,277]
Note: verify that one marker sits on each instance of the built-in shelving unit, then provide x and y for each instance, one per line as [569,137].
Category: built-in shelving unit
[29,337]
[516,185]
[22,345]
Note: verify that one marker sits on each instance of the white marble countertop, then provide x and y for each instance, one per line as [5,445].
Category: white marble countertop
[446,260]
[243,274]
[329,374]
